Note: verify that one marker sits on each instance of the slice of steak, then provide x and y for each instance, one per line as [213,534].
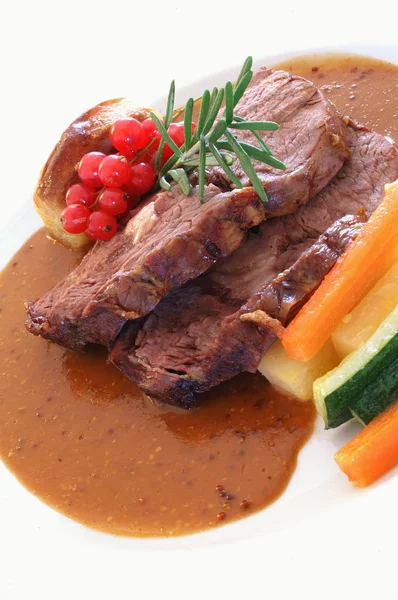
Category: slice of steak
[169,240]
[197,338]
[172,239]
[311,139]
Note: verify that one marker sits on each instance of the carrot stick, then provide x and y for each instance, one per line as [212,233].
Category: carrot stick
[372,452]
[364,262]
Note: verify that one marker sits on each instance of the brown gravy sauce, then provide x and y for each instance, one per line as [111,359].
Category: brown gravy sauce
[363,88]
[87,442]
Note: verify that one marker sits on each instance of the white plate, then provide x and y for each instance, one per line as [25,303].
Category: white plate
[316,535]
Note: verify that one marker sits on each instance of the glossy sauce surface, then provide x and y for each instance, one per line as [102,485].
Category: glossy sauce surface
[86,441]
[83,438]
[363,88]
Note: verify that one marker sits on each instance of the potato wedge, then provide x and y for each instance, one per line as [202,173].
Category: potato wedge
[89,132]
[295,376]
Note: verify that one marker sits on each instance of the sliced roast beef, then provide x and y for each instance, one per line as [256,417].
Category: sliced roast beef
[199,336]
[218,325]
[172,239]
[169,240]
[311,139]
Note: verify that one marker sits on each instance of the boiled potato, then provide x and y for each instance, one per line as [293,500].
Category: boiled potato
[295,376]
[357,327]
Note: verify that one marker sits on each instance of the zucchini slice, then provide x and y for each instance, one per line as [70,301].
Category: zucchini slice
[348,389]
[379,394]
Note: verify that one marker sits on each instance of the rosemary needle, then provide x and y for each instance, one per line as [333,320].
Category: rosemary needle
[188,122]
[213,134]
[202,168]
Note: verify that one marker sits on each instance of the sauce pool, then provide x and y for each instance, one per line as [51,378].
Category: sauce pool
[363,88]
[85,440]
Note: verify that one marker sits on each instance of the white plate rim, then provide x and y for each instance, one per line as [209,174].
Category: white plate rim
[23,224]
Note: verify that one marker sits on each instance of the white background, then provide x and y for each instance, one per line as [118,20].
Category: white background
[57,59]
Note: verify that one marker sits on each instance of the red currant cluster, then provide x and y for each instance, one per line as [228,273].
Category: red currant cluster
[111,185]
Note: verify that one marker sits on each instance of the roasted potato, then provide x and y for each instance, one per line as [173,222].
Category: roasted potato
[89,132]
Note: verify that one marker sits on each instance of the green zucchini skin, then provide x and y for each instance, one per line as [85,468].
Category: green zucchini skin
[369,391]
[337,409]
[378,395]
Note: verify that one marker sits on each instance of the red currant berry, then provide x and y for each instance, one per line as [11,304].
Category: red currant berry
[149,127]
[80,194]
[114,171]
[153,134]
[128,136]
[132,202]
[74,218]
[101,226]
[156,143]
[152,159]
[88,234]
[142,179]
[146,156]
[113,201]
[176,132]
[88,168]
[167,153]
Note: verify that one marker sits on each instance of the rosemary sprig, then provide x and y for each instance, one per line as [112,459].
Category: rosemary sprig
[202,167]
[220,158]
[246,165]
[204,148]
[256,135]
[167,121]
[164,184]
[188,122]
[219,129]
[170,104]
[180,177]
[165,134]
[262,156]
[246,68]
[213,110]
[194,162]
[255,125]
[229,103]
[240,88]
[204,109]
